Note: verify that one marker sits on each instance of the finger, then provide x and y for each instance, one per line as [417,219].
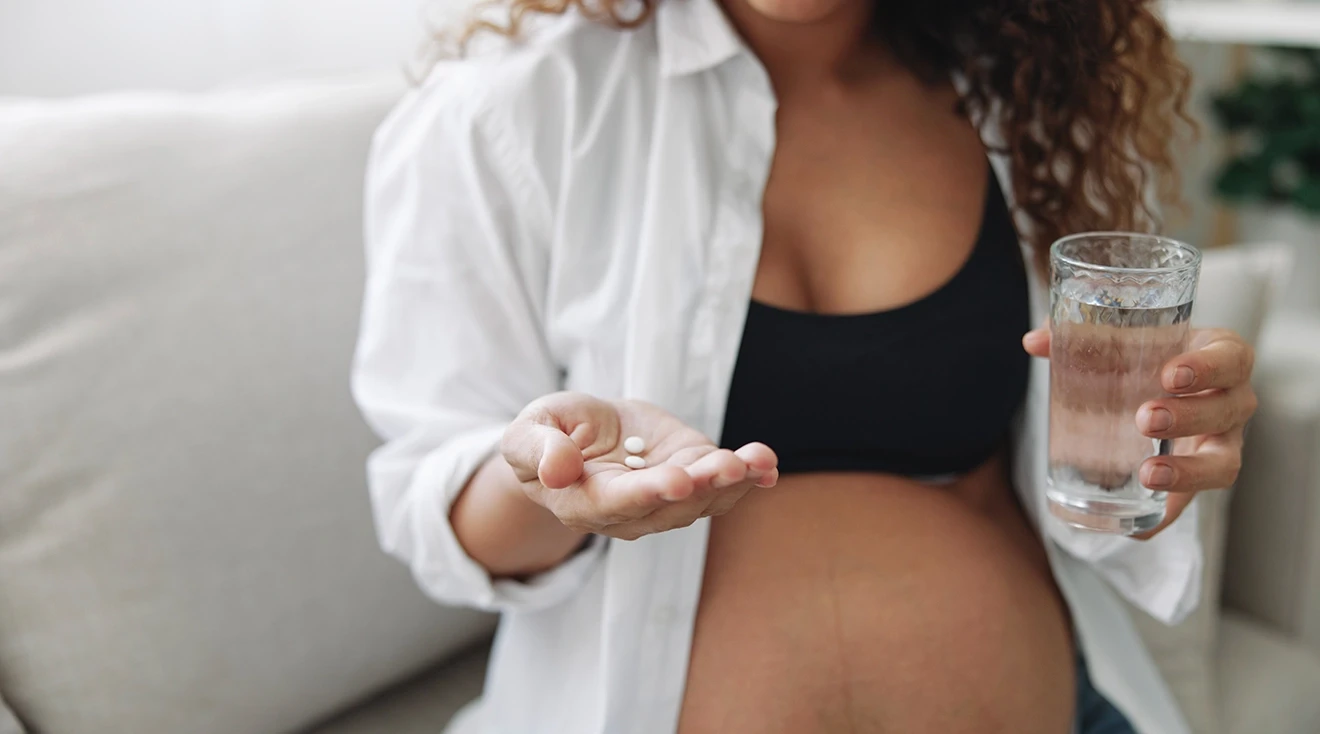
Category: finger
[542,453]
[762,464]
[632,495]
[1216,411]
[718,470]
[592,423]
[1173,509]
[1219,359]
[758,457]
[1214,465]
[724,501]
[676,516]
[1037,342]
[548,438]
[683,514]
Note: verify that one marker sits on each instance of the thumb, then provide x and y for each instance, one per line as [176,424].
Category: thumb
[542,453]
[560,464]
[546,441]
[1037,342]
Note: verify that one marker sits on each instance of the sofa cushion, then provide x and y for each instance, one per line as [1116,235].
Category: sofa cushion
[186,543]
[1271,685]
[419,706]
[1236,290]
[9,723]
[1273,559]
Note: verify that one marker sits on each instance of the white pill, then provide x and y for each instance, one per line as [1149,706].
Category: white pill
[634,445]
[635,462]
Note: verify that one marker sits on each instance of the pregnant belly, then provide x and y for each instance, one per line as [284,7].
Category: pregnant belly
[867,604]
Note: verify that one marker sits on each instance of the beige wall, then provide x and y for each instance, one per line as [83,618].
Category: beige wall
[1202,224]
[68,47]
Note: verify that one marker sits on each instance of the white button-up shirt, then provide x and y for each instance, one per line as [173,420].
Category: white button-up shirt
[583,211]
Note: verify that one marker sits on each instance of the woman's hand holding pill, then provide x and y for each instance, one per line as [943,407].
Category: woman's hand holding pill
[627,468]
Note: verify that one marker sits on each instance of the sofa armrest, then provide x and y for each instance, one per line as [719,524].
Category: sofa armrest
[1272,563]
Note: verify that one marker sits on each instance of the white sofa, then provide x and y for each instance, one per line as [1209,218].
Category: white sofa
[185,540]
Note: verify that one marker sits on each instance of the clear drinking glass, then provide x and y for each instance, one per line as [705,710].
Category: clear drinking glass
[1120,307]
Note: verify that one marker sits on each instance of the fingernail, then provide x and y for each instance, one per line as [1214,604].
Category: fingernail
[1183,377]
[1161,475]
[676,494]
[1158,419]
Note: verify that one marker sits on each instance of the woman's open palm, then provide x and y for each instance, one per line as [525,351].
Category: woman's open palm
[567,450]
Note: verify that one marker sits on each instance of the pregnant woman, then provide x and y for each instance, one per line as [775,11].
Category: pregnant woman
[790,248]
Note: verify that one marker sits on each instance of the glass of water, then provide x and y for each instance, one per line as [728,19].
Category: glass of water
[1120,308]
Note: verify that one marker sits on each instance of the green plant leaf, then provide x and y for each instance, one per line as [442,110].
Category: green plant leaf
[1238,110]
[1274,116]
[1287,143]
[1308,107]
[1245,179]
[1307,196]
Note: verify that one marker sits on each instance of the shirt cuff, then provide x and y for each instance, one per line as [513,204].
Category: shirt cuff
[443,568]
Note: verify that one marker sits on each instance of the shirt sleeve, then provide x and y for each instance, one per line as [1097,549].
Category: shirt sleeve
[1161,576]
[451,344]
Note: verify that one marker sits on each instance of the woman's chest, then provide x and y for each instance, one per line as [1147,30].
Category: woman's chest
[657,245]
[874,198]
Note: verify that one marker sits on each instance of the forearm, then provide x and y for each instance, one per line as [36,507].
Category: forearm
[505,531]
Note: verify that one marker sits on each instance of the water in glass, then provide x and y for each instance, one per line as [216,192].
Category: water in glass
[1109,343]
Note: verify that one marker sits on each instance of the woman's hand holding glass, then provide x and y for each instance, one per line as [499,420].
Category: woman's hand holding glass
[1210,402]
[567,451]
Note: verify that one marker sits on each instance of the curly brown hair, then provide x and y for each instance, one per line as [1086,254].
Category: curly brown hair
[1088,96]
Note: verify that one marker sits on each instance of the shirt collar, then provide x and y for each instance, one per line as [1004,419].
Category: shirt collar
[693,36]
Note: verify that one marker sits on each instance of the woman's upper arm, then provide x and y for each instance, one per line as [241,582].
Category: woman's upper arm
[456,269]
[452,343]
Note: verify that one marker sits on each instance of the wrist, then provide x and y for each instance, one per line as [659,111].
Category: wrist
[505,530]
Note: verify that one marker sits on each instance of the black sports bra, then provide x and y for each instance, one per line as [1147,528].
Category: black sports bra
[925,390]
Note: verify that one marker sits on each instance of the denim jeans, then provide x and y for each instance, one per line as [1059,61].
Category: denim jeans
[1095,714]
